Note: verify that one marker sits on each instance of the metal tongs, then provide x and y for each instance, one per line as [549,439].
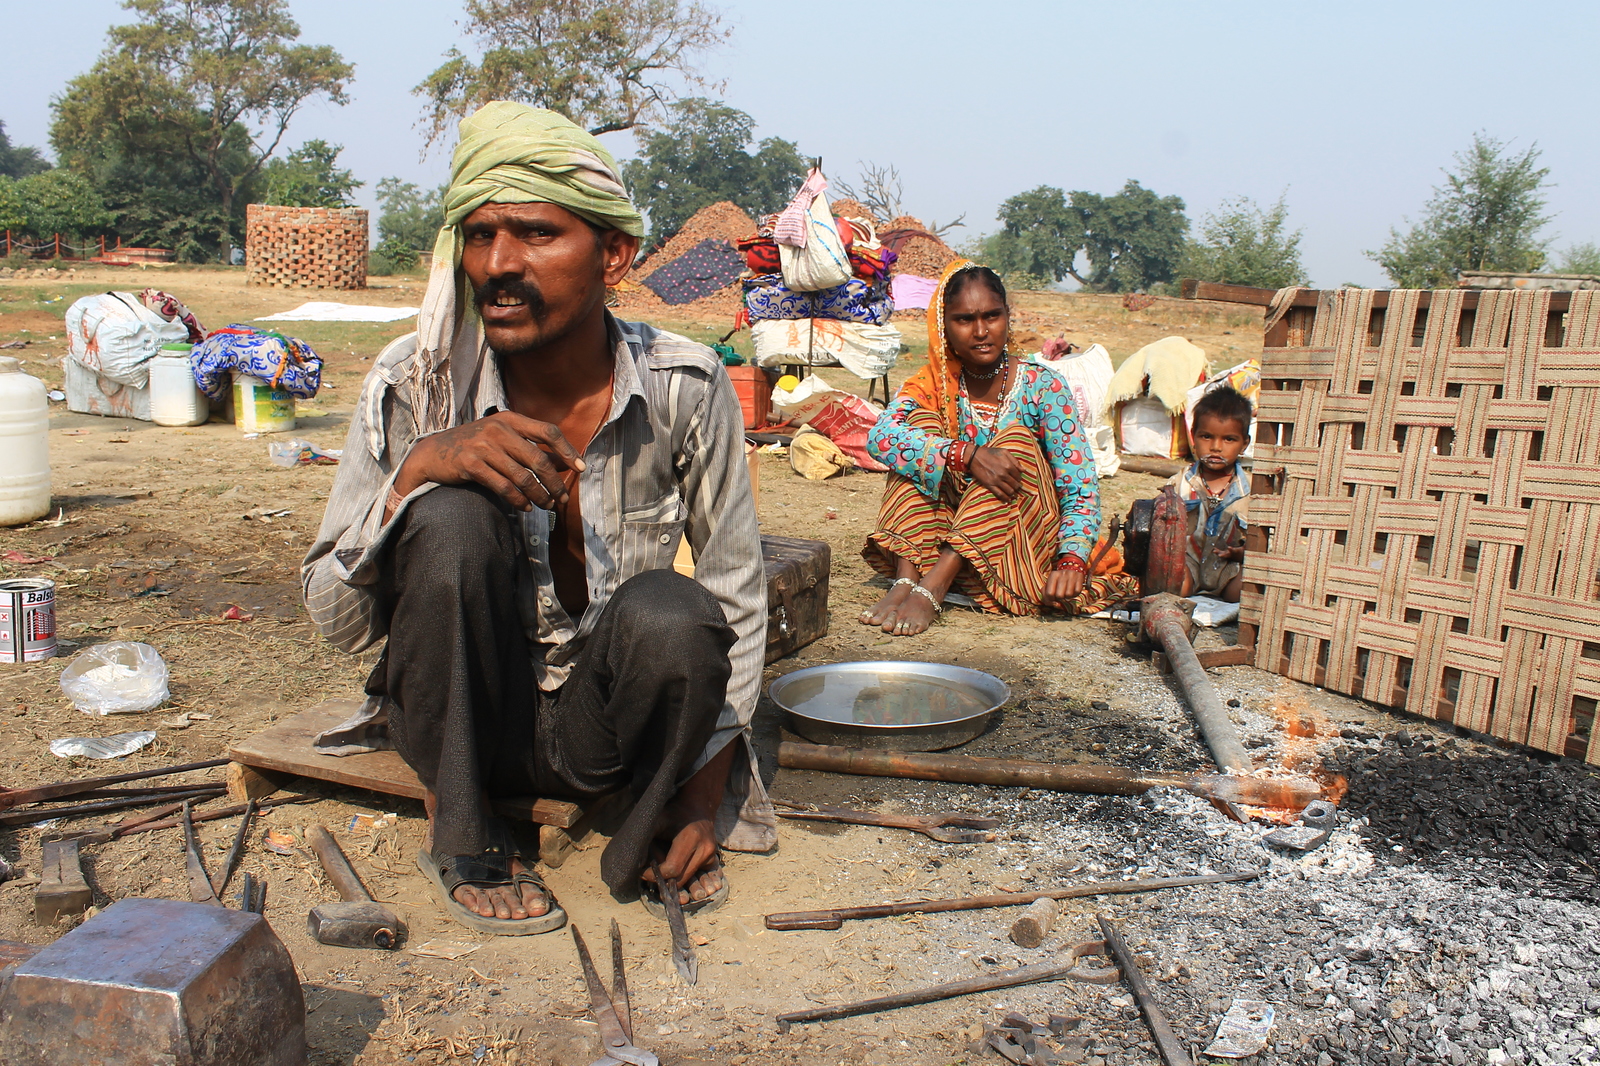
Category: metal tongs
[612,1012]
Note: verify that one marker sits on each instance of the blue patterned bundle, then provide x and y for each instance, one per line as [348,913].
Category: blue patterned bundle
[284,362]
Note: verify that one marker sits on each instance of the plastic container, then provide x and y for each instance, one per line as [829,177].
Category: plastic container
[260,408]
[25,443]
[175,400]
[755,393]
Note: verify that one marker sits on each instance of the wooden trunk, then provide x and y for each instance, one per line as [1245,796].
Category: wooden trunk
[797,592]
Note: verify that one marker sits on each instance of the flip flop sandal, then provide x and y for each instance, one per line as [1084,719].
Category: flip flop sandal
[650,896]
[490,870]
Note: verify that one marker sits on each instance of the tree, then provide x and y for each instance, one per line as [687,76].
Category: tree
[701,157]
[1133,239]
[207,86]
[408,222]
[606,64]
[56,201]
[1040,239]
[1581,259]
[881,192]
[1243,245]
[18,161]
[309,177]
[1486,216]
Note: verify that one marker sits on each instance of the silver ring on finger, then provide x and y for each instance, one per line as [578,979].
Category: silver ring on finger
[537,480]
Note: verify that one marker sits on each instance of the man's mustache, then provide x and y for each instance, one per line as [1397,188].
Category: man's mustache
[519,288]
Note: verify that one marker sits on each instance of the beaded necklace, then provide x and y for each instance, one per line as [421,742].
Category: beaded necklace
[985,414]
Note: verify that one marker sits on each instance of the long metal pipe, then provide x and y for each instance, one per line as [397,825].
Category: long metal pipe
[1293,792]
[1166,622]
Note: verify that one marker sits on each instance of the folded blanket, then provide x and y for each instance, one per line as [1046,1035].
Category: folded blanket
[1172,366]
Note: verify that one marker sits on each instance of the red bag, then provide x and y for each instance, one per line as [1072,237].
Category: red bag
[846,420]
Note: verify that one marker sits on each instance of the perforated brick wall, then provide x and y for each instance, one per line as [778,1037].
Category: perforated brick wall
[306,247]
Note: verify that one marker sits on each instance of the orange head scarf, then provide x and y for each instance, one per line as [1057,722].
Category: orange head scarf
[936,386]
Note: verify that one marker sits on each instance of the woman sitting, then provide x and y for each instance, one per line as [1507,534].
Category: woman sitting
[991,489]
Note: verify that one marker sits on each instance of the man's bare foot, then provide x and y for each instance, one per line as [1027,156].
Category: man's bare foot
[494,901]
[702,885]
[884,609]
[914,615]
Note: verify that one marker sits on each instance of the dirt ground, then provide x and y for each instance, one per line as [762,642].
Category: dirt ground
[1366,955]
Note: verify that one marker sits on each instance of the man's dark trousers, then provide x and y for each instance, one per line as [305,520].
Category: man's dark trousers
[638,708]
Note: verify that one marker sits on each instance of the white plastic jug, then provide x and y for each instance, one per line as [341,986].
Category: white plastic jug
[175,400]
[25,443]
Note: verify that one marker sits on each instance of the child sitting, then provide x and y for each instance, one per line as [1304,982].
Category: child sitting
[1216,492]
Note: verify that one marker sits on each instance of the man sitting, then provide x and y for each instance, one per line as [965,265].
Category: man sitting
[517,478]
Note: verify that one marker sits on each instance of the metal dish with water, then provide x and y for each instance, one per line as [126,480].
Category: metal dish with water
[894,706]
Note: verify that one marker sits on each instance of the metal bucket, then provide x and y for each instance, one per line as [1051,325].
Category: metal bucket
[894,706]
[27,620]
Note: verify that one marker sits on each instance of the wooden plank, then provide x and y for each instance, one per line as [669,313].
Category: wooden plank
[62,889]
[1210,659]
[1190,289]
[286,748]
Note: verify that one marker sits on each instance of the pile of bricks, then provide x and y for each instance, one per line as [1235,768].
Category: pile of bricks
[306,247]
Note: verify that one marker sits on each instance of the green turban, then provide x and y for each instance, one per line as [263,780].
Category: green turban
[515,154]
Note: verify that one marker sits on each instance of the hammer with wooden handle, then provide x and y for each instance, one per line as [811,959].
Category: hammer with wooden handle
[358,922]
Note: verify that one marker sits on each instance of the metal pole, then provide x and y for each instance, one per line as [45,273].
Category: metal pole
[1166,622]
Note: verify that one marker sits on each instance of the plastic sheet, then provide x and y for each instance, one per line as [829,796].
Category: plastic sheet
[114,747]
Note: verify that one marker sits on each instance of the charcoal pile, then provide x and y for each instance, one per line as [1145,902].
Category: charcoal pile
[1430,803]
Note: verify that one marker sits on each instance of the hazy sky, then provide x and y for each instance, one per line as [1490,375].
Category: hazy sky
[1350,108]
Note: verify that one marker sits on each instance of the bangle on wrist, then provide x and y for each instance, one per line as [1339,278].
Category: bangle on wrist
[1072,563]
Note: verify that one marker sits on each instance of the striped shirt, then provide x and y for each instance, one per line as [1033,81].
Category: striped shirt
[666,463]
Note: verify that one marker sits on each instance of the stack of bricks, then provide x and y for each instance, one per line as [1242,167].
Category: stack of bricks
[306,247]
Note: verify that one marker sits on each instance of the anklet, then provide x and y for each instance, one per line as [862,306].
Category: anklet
[925,594]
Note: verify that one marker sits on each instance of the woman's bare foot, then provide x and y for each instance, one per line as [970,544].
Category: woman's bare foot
[493,901]
[885,608]
[914,615]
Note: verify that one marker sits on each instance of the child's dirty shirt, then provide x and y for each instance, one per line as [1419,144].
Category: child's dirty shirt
[1215,521]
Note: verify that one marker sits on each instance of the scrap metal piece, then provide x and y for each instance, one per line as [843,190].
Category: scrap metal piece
[1166,1041]
[153,981]
[834,917]
[683,957]
[946,828]
[1316,823]
[201,889]
[1068,968]
[253,894]
[235,852]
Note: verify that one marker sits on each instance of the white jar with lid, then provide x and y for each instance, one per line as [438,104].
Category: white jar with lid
[25,443]
[175,400]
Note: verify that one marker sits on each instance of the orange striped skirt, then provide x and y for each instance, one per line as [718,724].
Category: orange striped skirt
[1010,548]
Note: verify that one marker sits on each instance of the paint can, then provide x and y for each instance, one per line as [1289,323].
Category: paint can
[27,620]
